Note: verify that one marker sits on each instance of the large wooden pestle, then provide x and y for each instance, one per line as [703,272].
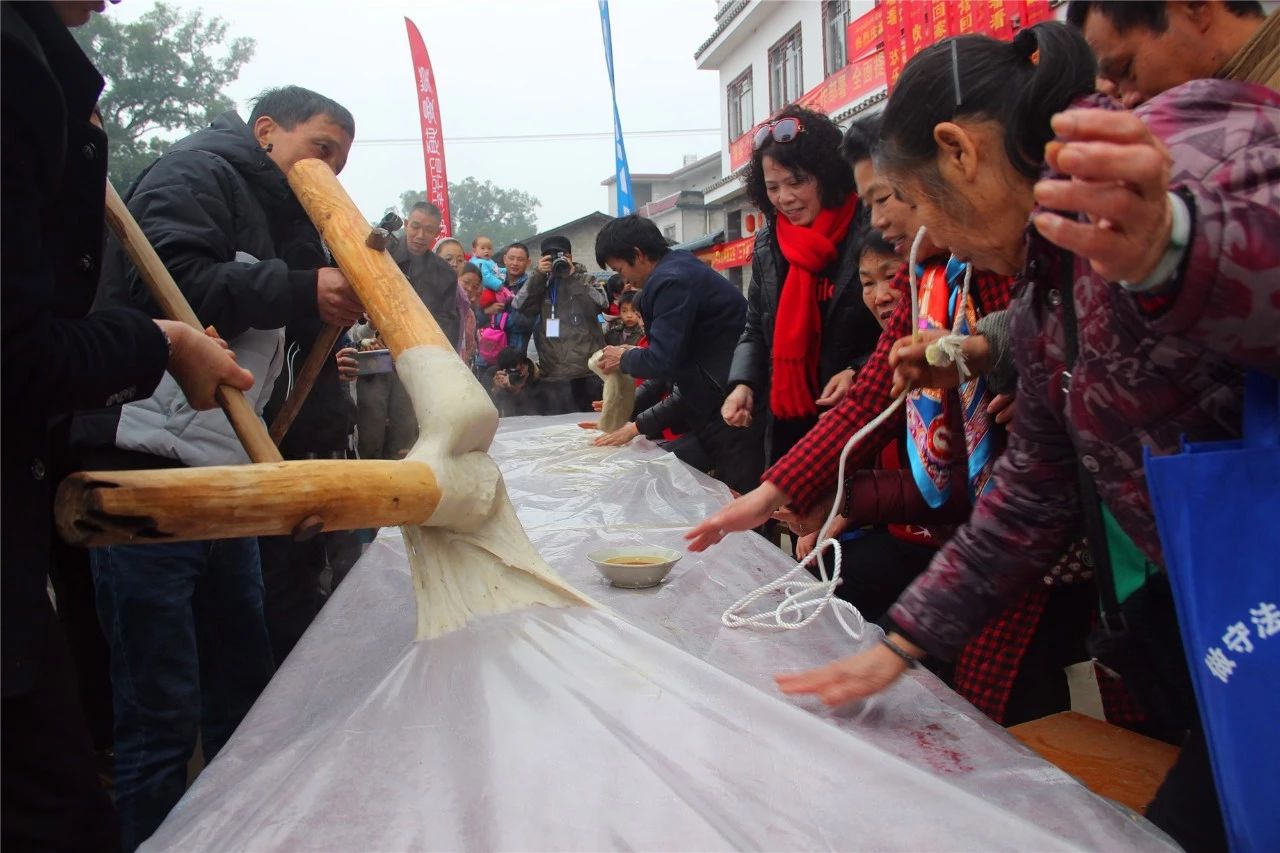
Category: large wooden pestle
[272,499]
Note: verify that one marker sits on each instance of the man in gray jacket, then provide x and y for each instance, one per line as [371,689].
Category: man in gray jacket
[568,302]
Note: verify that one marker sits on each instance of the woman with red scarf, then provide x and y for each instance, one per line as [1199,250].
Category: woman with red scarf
[806,329]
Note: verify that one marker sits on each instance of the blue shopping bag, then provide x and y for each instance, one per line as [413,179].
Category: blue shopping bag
[1217,506]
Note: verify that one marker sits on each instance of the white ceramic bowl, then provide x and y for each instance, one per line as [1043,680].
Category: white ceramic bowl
[635,576]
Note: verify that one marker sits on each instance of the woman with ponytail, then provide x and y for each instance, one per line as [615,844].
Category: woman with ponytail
[1150,272]
[806,327]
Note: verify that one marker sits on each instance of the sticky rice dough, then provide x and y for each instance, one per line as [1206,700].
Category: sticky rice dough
[619,395]
[474,557]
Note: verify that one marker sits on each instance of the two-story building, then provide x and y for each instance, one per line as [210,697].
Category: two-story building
[675,201]
[771,53]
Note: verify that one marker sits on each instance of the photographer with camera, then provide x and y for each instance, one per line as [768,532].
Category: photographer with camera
[567,302]
[515,387]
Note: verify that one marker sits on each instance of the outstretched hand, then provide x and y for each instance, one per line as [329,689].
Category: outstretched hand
[848,679]
[745,512]
[620,436]
[1117,176]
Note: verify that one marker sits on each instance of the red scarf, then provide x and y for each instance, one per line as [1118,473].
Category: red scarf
[797,332]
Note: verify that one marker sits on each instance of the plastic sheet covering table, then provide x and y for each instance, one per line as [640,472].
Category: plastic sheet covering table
[648,727]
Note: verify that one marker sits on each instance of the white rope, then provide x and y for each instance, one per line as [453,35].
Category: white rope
[949,349]
[804,599]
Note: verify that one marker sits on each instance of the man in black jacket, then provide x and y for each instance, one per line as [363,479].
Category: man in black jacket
[388,426]
[693,317]
[189,645]
[57,359]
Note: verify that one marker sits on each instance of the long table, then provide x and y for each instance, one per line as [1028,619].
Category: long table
[647,725]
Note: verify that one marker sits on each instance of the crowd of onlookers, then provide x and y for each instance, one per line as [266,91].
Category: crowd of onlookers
[1044,258]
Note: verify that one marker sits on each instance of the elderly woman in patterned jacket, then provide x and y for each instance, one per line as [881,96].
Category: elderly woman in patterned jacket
[1128,263]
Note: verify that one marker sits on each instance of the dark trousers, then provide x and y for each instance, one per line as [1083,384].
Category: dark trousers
[91,656]
[562,396]
[876,568]
[50,795]
[733,455]
[291,579]
[189,653]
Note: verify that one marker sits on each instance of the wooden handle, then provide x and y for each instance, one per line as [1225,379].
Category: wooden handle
[185,504]
[244,420]
[403,321]
[303,382]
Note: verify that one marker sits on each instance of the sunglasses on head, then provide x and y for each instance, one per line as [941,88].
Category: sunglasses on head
[783,130]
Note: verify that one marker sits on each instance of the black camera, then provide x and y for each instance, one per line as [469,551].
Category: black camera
[559,263]
[514,376]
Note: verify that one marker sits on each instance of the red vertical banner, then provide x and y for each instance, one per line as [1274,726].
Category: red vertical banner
[997,23]
[963,13]
[1016,13]
[895,41]
[432,134]
[942,20]
[915,19]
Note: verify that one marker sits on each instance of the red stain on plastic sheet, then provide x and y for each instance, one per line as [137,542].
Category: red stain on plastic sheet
[941,758]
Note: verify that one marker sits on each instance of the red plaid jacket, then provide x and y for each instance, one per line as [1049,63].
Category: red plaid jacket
[808,471]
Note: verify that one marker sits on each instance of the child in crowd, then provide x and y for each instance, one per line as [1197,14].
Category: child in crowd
[613,290]
[628,328]
[492,276]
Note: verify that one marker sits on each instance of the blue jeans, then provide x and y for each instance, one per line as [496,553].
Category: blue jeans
[189,653]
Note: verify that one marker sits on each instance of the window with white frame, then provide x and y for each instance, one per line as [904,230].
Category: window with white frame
[785,83]
[742,114]
[835,26]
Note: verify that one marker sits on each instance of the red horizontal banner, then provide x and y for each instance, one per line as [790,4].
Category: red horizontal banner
[865,34]
[726,256]
[847,85]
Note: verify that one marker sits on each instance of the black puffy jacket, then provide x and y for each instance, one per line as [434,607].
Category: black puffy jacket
[214,198]
[221,215]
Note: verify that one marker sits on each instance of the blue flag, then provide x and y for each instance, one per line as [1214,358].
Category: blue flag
[626,203]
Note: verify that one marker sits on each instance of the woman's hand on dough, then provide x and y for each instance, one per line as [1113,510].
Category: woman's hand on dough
[837,387]
[588,425]
[736,410]
[744,513]
[851,678]
[620,436]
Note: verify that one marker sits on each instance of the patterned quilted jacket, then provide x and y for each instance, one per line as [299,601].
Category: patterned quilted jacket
[1149,371]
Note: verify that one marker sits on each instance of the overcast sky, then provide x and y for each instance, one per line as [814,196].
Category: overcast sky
[503,68]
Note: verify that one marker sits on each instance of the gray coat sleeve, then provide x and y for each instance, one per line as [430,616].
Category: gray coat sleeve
[1002,376]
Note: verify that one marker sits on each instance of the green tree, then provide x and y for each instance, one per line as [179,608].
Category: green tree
[165,72]
[501,214]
